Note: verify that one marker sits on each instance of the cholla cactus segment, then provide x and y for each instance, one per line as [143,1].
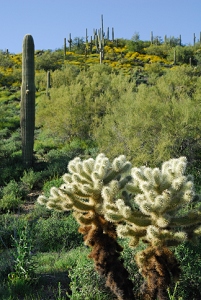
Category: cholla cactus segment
[85,219]
[197,231]
[175,167]
[132,231]
[42,200]
[85,184]
[125,210]
[110,191]
[157,236]
[162,191]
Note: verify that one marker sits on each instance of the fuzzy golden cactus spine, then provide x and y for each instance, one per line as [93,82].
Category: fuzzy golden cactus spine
[27,113]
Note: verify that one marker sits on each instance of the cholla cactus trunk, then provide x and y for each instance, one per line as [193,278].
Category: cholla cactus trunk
[158,268]
[27,114]
[101,237]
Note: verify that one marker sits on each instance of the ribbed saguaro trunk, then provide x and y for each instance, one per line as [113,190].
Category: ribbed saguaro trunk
[27,114]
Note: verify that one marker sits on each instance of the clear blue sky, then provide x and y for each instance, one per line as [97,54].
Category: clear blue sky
[50,21]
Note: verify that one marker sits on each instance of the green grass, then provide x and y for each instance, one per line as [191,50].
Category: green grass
[56,276]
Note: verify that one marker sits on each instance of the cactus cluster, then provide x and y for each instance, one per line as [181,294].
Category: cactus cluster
[151,205]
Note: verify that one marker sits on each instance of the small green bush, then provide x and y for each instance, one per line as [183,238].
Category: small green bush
[189,285]
[30,179]
[57,162]
[11,197]
[7,227]
[6,263]
[58,232]
[23,267]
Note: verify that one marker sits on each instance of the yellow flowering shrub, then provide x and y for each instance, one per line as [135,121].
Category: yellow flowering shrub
[17,59]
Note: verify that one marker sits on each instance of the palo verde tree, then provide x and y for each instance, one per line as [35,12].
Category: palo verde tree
[162,121]
[27,113]
[156,206]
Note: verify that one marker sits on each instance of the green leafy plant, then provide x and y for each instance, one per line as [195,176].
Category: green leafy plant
[23,268]
[188,286]
[29,179]
[58,232]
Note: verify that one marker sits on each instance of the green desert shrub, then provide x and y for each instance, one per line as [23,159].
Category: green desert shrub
[6,264]
[57,232]
[65,76]
[8,225]
[161,121]
[189,284]
[50,183]
[183,54]
[23,266]
[57,161]
[49,60]
[30,179]
[159,50]
[10,156]
[11,197]
[78,108]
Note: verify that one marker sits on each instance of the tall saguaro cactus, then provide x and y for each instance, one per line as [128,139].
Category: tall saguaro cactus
[27,113]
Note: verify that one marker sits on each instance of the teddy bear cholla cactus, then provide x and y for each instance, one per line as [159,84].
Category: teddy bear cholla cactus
[152,209]
[82,193]
[82,188]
